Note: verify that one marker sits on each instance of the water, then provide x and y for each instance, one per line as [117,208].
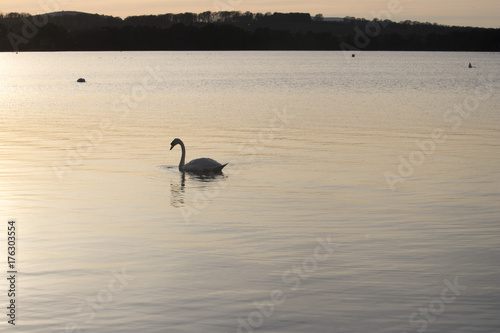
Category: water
[361,194]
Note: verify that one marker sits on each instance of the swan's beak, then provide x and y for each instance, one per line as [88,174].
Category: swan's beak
[172,146]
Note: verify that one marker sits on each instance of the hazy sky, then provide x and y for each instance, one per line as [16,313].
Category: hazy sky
[484,13]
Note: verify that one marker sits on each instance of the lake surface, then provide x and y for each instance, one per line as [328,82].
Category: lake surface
[361,195]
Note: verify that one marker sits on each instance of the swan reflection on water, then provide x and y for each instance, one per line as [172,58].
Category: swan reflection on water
[199,187]
[177,192]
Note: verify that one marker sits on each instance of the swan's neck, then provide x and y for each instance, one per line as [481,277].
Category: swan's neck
[183,157]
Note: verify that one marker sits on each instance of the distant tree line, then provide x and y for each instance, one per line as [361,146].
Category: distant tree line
[232,30]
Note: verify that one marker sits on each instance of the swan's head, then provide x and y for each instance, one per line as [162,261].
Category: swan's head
[175,142]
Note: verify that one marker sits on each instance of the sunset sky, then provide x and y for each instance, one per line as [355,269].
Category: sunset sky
[482,13]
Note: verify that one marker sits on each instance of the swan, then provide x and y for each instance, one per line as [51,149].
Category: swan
[199,165]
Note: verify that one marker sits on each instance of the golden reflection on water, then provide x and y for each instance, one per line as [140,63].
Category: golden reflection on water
[307,156]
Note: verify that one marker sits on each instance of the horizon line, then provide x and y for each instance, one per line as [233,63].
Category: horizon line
[325,16]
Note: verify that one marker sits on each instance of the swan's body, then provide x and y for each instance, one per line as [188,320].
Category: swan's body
[199,165]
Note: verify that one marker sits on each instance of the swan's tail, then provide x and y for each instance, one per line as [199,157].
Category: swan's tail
[219,169]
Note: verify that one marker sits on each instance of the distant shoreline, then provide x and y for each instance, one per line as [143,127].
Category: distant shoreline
[210,31]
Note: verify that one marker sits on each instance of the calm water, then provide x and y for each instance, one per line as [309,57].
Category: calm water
[362,194]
